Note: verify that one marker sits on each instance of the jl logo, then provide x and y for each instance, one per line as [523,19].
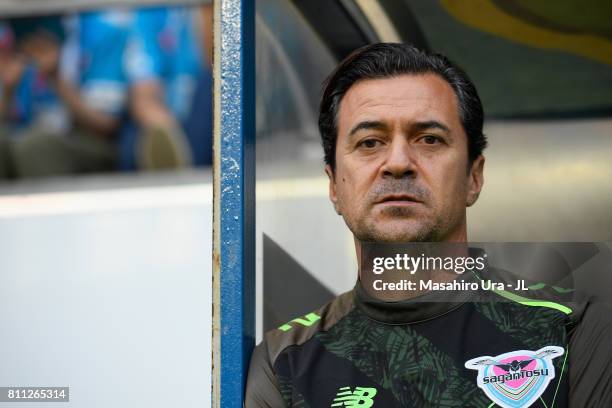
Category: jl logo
[361,397]
[518,378]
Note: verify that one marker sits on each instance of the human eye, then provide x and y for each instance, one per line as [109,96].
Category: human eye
[431,139]
[369,143]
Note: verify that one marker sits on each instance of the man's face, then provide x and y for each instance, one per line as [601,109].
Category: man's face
[44,50]
[402,161]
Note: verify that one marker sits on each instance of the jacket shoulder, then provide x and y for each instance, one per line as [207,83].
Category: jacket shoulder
[303,328]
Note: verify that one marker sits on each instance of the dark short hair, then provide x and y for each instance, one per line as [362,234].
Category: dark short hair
[50,26]
[385,60]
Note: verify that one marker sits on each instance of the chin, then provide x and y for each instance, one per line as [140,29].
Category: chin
[400,237]
[399,231]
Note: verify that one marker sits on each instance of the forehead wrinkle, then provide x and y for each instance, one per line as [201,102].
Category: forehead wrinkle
[372,108]
[393,102]
[374,100]
[397,117]
[392,114]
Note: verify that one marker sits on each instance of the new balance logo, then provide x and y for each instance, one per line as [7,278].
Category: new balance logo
[307,321]
[361,397]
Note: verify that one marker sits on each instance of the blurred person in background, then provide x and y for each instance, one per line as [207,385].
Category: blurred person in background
[166,67]
[65,89]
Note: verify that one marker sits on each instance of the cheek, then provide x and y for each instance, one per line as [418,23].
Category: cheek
[447,181]
[349,187]
[343,188]
[343,179]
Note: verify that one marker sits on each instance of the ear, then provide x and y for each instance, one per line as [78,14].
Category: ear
[332,187]
[475,180]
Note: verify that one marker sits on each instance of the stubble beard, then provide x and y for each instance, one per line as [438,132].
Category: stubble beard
[423,229]
[435,224]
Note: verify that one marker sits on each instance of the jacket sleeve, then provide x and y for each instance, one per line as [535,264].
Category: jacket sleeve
[262,389]
[590,358]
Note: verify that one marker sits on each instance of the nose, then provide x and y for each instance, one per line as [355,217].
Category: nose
[399,162]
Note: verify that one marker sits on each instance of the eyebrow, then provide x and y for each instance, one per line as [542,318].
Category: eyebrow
[430,124]
[366,125]
[416,127]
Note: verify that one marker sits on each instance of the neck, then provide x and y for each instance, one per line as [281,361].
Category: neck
[406,263]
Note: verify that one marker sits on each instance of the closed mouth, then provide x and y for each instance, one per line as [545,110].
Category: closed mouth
[398,199]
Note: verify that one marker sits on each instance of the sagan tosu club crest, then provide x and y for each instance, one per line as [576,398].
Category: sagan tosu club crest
[518,378]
